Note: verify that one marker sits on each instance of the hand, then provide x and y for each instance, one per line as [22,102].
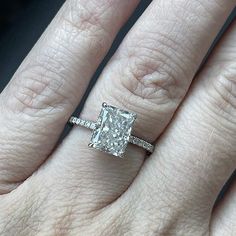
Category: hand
[71,189]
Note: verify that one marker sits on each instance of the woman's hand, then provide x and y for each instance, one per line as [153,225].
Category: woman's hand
[72,189]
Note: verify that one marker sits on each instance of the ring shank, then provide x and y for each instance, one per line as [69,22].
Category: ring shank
[132,139]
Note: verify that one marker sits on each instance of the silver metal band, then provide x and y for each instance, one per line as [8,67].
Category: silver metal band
[91,125]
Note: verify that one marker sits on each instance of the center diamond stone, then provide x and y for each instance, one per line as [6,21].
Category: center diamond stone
[113,130]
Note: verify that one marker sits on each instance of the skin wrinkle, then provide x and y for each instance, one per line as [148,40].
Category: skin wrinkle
[74,33]
[215,103]
[222,126]
[177,195]
[202,9]
[170,43]
[17,130]
[204,132]
[86,21]
[148,70]
[136,208]
[45,83]
[30,99]
[227,90]
[193,18]
[94,33]
[130,101]
[80,187]
[185,51]
[161,229]
[58,66]
[96,50]
[150,86]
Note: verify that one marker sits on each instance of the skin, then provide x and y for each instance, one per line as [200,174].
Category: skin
[71,189]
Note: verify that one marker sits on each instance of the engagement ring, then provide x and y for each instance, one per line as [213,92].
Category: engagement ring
[112,131]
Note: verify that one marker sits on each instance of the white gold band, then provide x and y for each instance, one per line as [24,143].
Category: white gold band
[132,139]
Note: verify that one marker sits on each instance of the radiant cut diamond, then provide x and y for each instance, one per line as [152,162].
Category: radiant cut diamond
[112,130]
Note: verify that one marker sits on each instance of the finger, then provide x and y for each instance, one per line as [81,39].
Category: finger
[149,75]
[51,81]
[224,215]
[197,153]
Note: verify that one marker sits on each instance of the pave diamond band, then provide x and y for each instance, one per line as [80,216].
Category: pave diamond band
[84,123]
[112,131]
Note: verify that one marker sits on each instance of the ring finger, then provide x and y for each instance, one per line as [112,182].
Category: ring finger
[149,75]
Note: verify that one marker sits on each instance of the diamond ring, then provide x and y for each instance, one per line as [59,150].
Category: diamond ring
[112,131]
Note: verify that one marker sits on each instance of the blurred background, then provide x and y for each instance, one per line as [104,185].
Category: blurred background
[21,24]
[23,21]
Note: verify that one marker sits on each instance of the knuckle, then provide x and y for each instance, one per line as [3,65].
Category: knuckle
[37,89]
[88,20]
[154,71]
[82,16]
[152,81]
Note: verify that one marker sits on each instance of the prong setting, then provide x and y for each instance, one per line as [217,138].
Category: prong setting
[90,145]
[104,104]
